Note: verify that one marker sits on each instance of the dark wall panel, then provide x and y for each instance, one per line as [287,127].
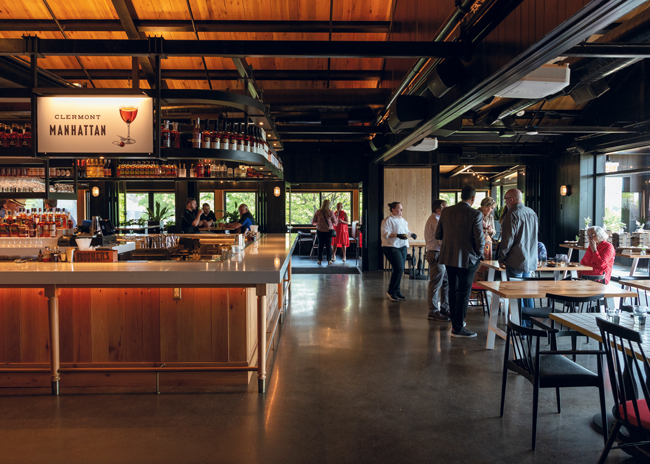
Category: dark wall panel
[323,167]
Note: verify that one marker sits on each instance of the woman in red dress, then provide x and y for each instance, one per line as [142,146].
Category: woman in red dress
[342,238]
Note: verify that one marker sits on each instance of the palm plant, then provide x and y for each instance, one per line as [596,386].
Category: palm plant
[159,214]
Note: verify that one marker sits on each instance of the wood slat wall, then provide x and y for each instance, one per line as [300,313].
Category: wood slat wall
[133,325]
[411,187]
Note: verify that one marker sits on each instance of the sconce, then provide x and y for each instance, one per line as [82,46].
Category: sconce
[276,191]
[565,190]
[95,191]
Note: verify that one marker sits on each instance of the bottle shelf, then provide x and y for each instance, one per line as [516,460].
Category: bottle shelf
[38,195]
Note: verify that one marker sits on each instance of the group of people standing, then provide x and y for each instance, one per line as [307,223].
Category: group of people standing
[456,242]
[332,231]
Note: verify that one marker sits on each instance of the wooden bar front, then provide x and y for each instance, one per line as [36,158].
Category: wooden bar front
[120,328]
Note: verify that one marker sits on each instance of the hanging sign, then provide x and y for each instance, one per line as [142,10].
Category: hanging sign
[95,125]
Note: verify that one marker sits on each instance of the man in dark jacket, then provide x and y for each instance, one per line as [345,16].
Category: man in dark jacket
[461,230]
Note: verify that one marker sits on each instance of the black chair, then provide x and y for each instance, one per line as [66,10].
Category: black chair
[547,369]
[303,237]
[630,411]
[570,304]
[595,278]
[541,311]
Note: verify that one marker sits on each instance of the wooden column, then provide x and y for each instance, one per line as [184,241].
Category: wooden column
[51,293]
[261,338]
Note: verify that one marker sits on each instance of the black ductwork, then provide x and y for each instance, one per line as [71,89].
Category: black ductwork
[20,73]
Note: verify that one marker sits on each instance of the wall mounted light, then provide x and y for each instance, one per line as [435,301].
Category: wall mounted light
[565,190]
[95,191]
[276,191]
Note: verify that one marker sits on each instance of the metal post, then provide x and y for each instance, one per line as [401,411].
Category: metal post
[261,337]
[158,104]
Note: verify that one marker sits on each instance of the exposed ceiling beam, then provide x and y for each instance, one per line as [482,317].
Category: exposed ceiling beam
[576,29]
[285,99]
[227,75]
[127,15]
[101,25]
[546,130]
[457,170]
[317,129]
[239,48]
[610,50]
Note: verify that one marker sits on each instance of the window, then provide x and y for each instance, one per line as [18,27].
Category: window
[208,197]
[136,207]
[166,200]
[303,205]
[236,197]
[449,197]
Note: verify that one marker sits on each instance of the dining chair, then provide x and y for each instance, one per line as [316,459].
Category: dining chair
[547,369]
[355,241]
[631,397]
[541,311]
[594,278]
[303,237]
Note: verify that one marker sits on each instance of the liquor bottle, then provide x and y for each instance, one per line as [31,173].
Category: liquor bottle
[216,136]
[247,139]
[199,169]
[240,138]
[68,220]
[233,137]
[225,137]
[213,170]
[176,136]
[224,171]
[229,174]
[27,136]
[6,140]
[182,172]
[45,227]
[196,134]
[52,228]
[192,173]
[166,136]
[206,135]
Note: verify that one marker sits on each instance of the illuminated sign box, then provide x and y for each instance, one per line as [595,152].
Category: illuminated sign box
[95,125]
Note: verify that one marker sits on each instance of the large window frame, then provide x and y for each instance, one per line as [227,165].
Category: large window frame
[252,206]
[322,195]
[151,202]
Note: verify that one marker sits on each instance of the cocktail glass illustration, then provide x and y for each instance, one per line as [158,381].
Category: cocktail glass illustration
[128,114]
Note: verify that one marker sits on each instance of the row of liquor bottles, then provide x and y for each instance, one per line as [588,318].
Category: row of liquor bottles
[219,135]
[34,223]
[94,168]
[54,173]
[15,136]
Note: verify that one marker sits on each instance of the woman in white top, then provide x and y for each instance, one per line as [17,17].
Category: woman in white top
[394,243]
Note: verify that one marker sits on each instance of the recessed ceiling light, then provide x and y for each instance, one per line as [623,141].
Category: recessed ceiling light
[261,124]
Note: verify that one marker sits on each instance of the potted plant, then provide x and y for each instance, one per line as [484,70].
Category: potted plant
[156,216]
[227,217]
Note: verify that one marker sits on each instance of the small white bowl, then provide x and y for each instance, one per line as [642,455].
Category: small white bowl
[84,243]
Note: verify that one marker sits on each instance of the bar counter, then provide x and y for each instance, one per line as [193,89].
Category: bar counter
[122,324]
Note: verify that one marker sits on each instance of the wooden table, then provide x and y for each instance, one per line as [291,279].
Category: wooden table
[635,257]
[493,266]
[538,289]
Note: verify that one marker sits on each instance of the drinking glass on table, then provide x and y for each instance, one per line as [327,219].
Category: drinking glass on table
[613,315]
[542,262]
[639,314]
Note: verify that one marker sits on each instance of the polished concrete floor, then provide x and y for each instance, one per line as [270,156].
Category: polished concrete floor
[357,378]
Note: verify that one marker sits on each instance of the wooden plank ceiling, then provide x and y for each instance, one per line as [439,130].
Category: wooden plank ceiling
[211,10]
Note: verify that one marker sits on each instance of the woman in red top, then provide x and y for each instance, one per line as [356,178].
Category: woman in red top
[342,238]
[600,255]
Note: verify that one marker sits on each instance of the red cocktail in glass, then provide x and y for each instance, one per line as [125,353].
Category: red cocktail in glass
[128,114]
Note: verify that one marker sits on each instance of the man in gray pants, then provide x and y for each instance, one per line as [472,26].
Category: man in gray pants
[438,283]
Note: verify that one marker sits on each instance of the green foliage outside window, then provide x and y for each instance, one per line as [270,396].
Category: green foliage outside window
[305,204]
[449,197]
[236,198]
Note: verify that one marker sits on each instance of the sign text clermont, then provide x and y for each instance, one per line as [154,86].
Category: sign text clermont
[95,125]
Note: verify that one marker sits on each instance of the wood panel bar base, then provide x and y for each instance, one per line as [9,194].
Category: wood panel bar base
[261,338]
[51,293]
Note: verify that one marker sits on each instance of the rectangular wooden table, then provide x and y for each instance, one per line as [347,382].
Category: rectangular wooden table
[585,323]
[635,257]
[538,289]
[493,267]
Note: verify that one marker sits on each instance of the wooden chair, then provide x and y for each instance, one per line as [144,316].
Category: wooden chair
[630,411]
[547,369]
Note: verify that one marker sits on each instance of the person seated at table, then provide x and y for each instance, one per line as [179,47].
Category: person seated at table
[245,221]
[207,217]
[600,254]
[542,254]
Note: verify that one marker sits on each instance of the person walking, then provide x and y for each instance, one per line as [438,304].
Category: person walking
[518,250]
[342,239]
[461,231]
[324,220]
[394,242]
[438,283]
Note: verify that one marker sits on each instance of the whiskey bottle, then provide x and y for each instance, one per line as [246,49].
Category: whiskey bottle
[166,136]
[216,136]
[225,137]
[196,134]
[206,135]
[176,136]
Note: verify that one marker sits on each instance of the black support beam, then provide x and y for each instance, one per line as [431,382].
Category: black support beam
[241,48]
[609,50]
[298,27]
